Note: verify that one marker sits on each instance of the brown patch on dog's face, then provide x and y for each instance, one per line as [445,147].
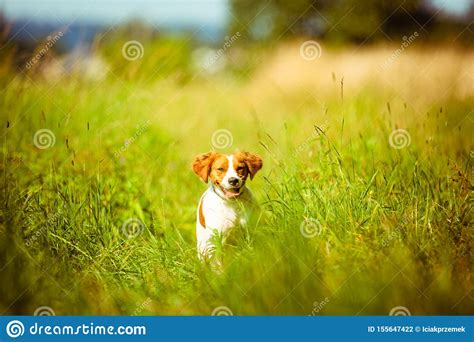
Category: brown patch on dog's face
[219,168]
[202,164]
[211,165]
[240,167]
[252,163]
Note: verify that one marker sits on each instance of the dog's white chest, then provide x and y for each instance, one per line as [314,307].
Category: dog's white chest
[222,214]
[219,217]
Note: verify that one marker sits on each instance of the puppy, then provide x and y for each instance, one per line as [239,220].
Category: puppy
[227,203]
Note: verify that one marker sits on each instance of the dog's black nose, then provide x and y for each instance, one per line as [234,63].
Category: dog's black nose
[233,181]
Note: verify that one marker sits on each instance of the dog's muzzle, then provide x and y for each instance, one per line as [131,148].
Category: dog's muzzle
[231,192]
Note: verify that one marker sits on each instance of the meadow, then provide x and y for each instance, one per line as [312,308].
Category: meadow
[366,186]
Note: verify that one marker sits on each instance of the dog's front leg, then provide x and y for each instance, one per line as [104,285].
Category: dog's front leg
[205,249]
[209,248]
[206,245]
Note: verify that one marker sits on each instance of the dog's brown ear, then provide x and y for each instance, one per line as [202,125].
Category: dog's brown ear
[202,165]
[254,163]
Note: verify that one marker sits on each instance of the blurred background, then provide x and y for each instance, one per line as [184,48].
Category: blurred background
[194,30]
[362,111]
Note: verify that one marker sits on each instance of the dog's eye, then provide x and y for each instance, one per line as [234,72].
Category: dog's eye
[220,169]
[240,168]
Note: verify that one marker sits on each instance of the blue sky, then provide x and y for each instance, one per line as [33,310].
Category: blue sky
[156,12]
[453,6]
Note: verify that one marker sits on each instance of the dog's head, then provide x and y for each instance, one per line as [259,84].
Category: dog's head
[228,172]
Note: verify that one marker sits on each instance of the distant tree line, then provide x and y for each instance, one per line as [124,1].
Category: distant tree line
[347,20]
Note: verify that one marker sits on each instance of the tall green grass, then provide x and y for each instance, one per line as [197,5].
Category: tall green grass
[393,226]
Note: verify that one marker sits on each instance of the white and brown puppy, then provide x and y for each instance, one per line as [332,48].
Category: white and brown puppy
[227,203]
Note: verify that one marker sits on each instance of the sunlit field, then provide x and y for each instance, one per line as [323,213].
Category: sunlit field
[366,187]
